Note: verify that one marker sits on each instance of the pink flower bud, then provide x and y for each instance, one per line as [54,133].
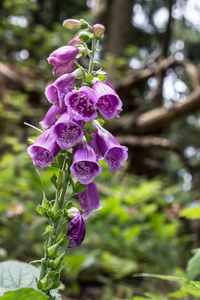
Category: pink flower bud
[98,30]
[72,24]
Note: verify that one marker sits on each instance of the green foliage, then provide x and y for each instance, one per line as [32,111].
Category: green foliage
[24,294]
[193,267]
[14,275]
[191,213]
[20,278]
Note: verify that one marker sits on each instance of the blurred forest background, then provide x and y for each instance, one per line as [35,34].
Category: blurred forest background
[151,207]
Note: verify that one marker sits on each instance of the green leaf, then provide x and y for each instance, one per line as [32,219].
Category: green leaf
[191,213]
[41,210]
[24,294]
[55,165]
[88,137]
[54,180]
[79,187]
[193,267]
[101,121]
[88,127]
[48,228]
[102,78]
[89,78]
[178,294]
[15,275]
[164,277]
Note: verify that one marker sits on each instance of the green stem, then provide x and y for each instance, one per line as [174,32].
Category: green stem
[92,57]
[60,200]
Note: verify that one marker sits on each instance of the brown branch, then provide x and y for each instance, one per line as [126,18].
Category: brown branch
[136,78]
[155,119]
[151,142]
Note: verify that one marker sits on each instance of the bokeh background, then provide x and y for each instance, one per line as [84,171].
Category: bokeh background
[149,222]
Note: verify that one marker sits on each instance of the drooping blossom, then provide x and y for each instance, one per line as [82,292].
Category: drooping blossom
[67,131]
[76,231]
[85,163]
[114,154]
[109,103]
[81,104]
[57,91]
[63,59]
[43,150]
[98,30]
[75,41]
[89,200]
[50,117]
[93,144]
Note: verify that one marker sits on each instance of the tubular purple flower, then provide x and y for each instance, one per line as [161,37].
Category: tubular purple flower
[50,117]
[43,150]
[57,91]
[67,131]
[89,200]
[93,144]
[114,154]
[85,163]
[109,103]
[76,231]
[63,59]
[75,41]
[81,104]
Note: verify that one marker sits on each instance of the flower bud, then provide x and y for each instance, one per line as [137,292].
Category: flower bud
[52,251]
[84,24]
[56,262]
[72,212]
[98,30]
[84,36]
[72,24]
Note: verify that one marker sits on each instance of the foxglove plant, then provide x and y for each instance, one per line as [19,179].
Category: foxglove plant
[74,141]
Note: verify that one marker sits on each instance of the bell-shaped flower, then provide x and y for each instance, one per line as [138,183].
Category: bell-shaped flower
[81,104]
[89,200]
[109,103]
[93,144]
[67,131]
[43,150]
[114,154]
[50,117]
[63,59]
[85,163]
[75,41]
[57,91]
[76,231]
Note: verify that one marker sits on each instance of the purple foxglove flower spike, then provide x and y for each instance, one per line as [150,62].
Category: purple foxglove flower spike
[67,132]
[85,163]
[114,154]
[57,91]
[89,200]
[81,104]
[43,150]
[63,59]
[50,117]
[76,231]
[109,103]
